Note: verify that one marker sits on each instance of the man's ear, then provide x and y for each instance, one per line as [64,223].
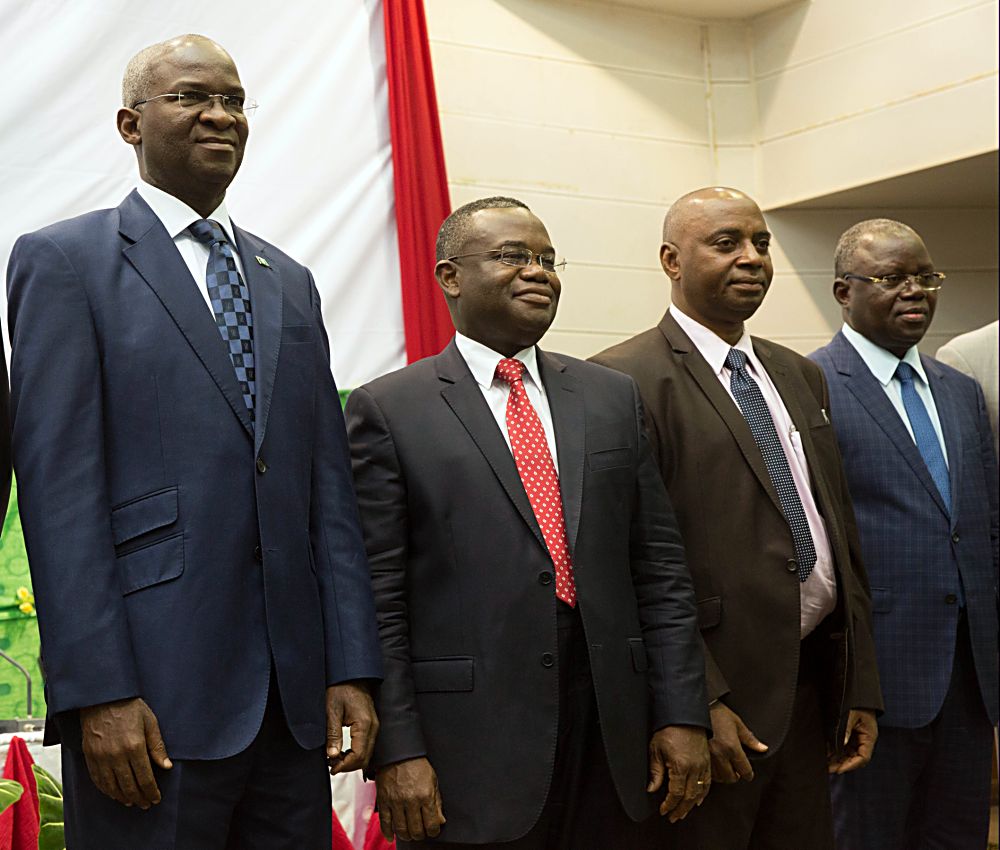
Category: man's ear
[842,292]
[128,125]
[446,273]
[668,259]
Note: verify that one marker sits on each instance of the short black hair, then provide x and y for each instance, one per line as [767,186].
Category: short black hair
[454,231]
[851,238]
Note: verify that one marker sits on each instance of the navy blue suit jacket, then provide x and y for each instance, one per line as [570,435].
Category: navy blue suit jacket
[913,550]
[174,548]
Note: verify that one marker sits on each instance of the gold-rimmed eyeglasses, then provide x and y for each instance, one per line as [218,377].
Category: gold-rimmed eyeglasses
[927,281]
[519,258]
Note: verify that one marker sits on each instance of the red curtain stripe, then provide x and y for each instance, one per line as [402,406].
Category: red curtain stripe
[420,180]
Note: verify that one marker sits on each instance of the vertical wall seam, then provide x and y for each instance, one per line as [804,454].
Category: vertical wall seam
[706,58]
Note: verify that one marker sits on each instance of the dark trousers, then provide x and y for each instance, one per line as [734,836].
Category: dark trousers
[272,796]
[925,788]
[787,804]
[582,810]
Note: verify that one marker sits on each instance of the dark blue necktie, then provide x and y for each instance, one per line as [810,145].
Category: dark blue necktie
[924,434]
[751,402]
[230,303]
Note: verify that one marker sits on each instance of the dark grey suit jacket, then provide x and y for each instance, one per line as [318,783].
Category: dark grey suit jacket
[463,587]
[738,543]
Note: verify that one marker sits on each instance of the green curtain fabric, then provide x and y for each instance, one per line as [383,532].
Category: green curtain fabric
[18,626]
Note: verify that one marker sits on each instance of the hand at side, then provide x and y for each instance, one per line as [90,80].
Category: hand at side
[120,741]
[680,752]
[408,800]
[729,736]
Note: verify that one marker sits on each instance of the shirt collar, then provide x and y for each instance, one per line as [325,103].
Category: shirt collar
[882,363]
[177,216]
[714,348]
[482,360]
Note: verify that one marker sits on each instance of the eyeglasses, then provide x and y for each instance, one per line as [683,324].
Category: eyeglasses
[519,258]
[927,281]
[196,101]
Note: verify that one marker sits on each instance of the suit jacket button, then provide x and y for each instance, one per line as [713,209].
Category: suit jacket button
[792,565]
[258,556]
[951,599]
[545,577]
[955,538]
[261,466]
[548,659]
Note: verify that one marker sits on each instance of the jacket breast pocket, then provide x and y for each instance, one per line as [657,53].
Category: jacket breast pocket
[881,600]
[291,334]
[148,546]
[609,459]
[442,675]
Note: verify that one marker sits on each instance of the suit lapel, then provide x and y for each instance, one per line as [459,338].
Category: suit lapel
[153,255]
[264,283]
[723,403]
[950,427]
[566,403]
[865,387]
[462,394]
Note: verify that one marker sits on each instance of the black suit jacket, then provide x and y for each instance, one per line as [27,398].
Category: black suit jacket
[737,540]
[463,586]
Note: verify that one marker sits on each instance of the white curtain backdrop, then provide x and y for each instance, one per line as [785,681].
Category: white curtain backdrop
[317,176]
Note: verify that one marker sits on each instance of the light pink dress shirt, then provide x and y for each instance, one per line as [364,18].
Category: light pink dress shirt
[818,593]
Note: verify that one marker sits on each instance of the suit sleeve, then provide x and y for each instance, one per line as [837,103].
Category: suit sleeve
[382,498]
[864,690]
[58,445]
[352,648]
[988,454]
[665,596]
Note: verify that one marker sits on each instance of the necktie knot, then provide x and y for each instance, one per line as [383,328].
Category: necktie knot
[904,371]
[207,231]
[736,360]
[510,370]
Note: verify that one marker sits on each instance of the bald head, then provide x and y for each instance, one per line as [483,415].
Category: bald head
[681,212]
[865,234]
[140,72]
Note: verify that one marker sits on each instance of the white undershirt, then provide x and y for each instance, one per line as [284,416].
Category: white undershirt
[482,362]
[176,217]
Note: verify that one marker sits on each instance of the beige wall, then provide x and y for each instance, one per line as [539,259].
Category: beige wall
[599,115]
[852,91]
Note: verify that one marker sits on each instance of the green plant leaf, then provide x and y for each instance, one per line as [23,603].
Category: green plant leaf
[10,793]
[51,835]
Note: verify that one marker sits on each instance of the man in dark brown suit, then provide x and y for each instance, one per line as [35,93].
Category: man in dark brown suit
[741,434]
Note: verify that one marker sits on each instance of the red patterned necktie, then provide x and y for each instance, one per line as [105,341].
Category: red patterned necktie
[538,474]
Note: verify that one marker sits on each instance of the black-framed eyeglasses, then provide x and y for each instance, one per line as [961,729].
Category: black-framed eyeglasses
[197,100]
[519,258]
[927,281]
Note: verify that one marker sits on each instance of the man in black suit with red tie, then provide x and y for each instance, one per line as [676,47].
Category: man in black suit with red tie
[544,677]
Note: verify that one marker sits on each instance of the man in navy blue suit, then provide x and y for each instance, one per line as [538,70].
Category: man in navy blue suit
[204,600]
[918,451]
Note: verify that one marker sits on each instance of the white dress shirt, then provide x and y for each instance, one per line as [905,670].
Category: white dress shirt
[483,362]
[176,217]
[818,593]
[882,364]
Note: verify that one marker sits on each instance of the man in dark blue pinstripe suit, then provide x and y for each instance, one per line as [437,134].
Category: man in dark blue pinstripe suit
[918,452]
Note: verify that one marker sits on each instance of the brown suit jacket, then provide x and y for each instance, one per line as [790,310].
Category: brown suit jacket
[738,544]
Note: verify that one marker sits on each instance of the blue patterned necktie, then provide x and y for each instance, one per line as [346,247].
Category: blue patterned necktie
[230,303]
[751,402]
[924,434]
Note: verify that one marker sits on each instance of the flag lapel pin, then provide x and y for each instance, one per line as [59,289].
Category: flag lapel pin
[261,261]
